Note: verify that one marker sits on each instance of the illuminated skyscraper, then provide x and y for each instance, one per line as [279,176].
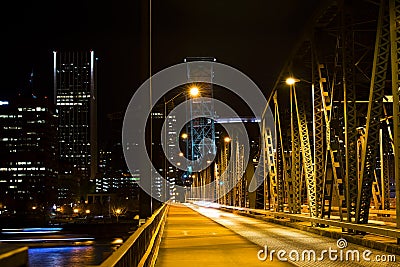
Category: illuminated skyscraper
[75,95]
[28,149]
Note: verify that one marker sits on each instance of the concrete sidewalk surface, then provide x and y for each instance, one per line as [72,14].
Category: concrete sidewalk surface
[191,239]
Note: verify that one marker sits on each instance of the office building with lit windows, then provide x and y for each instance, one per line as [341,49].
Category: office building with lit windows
[28,154]
[114,176]
[76,99]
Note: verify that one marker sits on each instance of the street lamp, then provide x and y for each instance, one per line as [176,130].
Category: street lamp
[291,81]
[194,91]
[117,212]
[227,139]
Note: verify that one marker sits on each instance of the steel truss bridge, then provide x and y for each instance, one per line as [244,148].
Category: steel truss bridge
[333,158]
[334,152]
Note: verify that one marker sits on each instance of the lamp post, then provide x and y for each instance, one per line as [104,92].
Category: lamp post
[291,82]
[224,163]
[295,180]
[193,92]
[117,213]
[302,137]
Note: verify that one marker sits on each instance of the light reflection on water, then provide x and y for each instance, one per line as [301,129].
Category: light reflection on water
[68,256]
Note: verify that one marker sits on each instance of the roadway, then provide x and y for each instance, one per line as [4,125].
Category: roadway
[200,236]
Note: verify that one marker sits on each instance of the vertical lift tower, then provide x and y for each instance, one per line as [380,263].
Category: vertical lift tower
[201,129]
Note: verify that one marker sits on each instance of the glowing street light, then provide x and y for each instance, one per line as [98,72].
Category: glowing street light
[227,139]
[118,211]
[76,210]
[194,91]
[184,135]
[180,154]
[87,211]
[291,81]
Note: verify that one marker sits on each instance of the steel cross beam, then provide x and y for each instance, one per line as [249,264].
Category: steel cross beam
[350,118]
[388,168]
[231,176]
[280,157]
[236,178]
[306,155]
[336,125]
[318,132]
[294,183]
[270,166]
[226,172]
[369,150]
[239,171]
[385,169]
[329,187]
[394,7]
[376,188]
[264,164]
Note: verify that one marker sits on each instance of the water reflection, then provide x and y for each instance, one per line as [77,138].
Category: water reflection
[68,256]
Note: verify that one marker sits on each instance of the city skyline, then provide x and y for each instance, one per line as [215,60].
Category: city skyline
[118,34]
[200,133]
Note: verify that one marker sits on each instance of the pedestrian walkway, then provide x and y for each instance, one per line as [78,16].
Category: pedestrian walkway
[191,239]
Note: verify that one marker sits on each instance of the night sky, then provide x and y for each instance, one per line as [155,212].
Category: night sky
[253,36]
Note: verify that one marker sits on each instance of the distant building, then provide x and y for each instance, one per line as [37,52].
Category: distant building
[114,180]
[105,158]
[69,184]
[75,95]
[160,187]
[121,183]
[172,173]
[114,176]
[28,154]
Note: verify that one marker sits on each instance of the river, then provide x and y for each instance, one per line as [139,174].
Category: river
[68,256]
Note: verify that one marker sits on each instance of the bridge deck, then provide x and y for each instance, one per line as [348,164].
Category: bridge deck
[191,239]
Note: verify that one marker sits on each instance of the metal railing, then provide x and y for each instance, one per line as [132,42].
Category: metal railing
[141,248]
[367,228]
